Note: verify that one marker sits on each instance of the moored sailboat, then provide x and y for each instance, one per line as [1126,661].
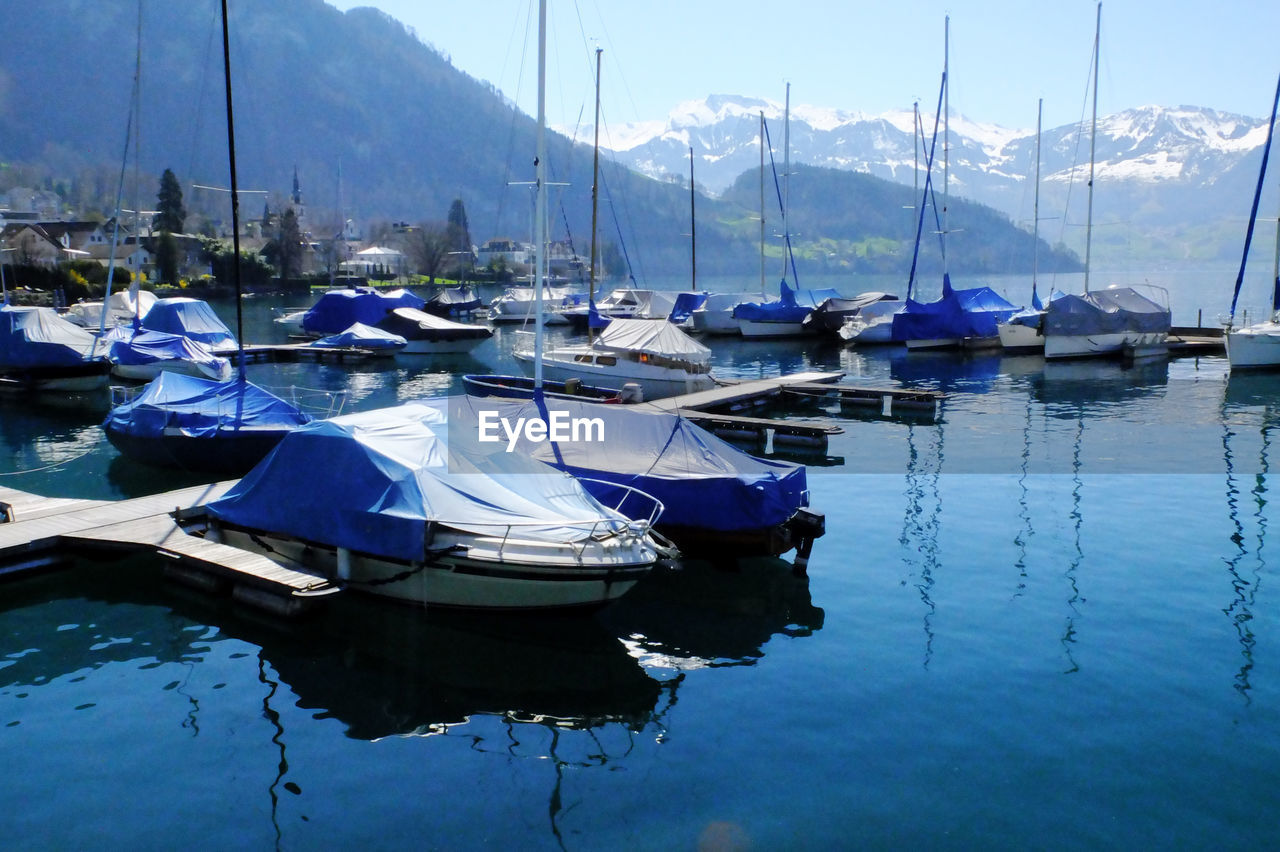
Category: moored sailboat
[1257,344]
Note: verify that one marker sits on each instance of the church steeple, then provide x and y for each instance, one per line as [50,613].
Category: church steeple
[297,190]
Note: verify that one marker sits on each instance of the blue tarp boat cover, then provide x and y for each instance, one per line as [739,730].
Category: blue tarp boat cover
[701,479]
[125,346]
[1109,311]
[202,408]
[362,336]
[377,481]
[973,312]
[38,337]
[686,304]
[191,318]
[338,310]
[792,306]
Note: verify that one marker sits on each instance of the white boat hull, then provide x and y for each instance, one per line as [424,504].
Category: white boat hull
[655,382]
[1254,346]
[1093,345]
[864,333]
[1023,338]
[715,322]
[147,372]
[488,573]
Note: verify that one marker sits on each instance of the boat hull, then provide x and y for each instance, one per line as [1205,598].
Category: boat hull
[1256,346]
[655,382]
[227,454]
[753,328]
[77,378]
[715,322]
[483,574]
[1015,337]
[1095,345]
[147,372]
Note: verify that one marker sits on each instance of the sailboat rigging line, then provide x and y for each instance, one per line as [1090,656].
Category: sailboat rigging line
[1253,212]
[786,236]
[115,229]
[928,184]
[235,198]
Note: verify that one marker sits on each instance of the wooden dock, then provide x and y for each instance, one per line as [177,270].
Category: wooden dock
[1195,340]
[40,531]
[720,409]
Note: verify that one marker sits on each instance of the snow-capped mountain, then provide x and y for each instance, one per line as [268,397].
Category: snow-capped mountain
[1154,166]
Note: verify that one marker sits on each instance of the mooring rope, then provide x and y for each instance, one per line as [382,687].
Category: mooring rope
[53,465]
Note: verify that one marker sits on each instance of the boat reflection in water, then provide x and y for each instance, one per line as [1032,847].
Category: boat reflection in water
[708,615]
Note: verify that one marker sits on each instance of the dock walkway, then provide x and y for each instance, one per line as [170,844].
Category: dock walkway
[718,409]
[40,531]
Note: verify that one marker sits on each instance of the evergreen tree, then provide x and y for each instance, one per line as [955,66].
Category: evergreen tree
[289,246]
[458,239]
[167,258]
[171,215]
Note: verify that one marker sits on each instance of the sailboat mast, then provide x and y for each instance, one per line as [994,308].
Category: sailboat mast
[693,229]
[946,138]
[786,176]
[540,165]
[1035,208]
[1093,139]
[595,198]
[762,229]
[235,195]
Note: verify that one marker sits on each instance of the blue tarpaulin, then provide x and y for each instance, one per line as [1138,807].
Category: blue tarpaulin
[792,306]
[190,318]
[201,408]
[338,310]
[149,347]
[38,337]
[377,481]
[701,479]
[957,314]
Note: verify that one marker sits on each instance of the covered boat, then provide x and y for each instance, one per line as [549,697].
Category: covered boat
[871,323]
[199,424]
[1103,321]
[122,309]
[429,334]
[958,317]
[453,302]
[520,304]
[719,501]
[143,355]
[784,317]
[40,350]
[715,315]
[366,337]
[654,354]
[338,310]
[398,503]
[192,318]
[830,315]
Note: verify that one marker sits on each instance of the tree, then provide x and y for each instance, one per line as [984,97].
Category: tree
[171,215]
[428,248]
[167,257]
[458,238]
[289,246]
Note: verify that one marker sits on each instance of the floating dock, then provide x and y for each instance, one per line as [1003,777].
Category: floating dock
[719,409]
[36,532]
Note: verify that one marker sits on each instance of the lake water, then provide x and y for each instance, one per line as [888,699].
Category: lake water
[1045,620]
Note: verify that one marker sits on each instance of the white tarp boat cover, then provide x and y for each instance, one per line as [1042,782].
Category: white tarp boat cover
[377,482]
[654,337]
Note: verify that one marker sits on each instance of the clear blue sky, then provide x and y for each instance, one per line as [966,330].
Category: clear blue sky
[870,56]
